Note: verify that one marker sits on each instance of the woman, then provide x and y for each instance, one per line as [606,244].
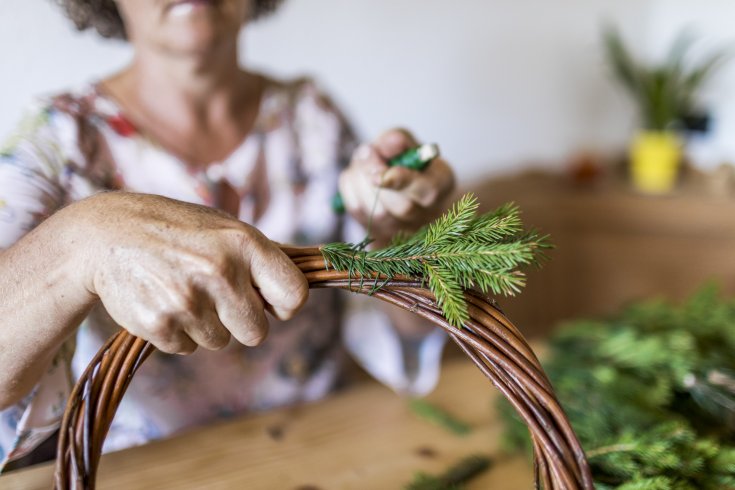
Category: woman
[189,141]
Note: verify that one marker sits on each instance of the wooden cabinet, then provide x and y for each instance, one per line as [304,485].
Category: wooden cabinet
[613,246]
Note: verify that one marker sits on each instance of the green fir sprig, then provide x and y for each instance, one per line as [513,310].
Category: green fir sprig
[651,394]
[453,479]
[458,251]
[442,418]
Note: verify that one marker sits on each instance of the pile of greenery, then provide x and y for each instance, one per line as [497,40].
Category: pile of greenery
[651,394]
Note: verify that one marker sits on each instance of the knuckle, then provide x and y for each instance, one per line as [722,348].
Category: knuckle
[259,243]
[254,234]
[216,339]
[187,303]
[296,292]
[241,238]
[254,327]
[380,214]
[165,347]
[163,326]
[253,333]
[404,208]
[358,214]
[403,135]
[429,197]
[184,304]
[214,264]
[171,346]
[254,340]
[395,131]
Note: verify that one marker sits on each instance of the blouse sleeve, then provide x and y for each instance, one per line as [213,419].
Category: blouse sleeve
[407,365]
[31,167]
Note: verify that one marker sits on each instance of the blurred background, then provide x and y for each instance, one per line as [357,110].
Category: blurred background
[524,99]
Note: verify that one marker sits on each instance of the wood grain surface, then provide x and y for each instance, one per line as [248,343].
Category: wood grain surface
[364,438]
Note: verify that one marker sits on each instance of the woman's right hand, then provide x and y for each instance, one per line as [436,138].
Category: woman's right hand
[181,275]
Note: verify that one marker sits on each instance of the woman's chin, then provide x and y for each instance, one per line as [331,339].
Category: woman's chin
[199,39]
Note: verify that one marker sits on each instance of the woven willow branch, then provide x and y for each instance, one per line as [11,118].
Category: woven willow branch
[489,339]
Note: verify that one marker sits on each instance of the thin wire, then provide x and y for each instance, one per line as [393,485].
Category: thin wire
[368,239]
[360,247]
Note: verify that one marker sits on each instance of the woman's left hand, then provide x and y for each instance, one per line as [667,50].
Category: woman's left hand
[407,198]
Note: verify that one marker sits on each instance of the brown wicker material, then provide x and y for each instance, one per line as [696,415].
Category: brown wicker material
[492,342]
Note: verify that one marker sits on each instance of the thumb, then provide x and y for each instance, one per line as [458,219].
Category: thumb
[397,178]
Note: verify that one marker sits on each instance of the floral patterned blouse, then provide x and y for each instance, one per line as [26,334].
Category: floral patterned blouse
[283,174]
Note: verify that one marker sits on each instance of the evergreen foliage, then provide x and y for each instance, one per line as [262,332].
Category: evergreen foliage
[442,418]
[458,251]
[651,394]
[462,472]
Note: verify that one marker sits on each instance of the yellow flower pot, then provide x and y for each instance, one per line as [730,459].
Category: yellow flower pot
[654,159]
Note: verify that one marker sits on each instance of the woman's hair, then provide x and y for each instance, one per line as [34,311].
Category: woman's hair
[103,16]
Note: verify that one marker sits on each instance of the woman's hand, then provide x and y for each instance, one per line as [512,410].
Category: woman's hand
[176,274]
[181,275]
[407,199]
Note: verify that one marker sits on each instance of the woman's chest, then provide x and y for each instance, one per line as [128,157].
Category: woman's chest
[262,182]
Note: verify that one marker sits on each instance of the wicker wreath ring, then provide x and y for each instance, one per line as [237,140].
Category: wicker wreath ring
[489,339]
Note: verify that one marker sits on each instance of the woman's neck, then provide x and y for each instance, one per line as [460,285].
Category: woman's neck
[199,107]
[198,87]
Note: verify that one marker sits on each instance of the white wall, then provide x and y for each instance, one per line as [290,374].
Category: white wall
[498,83]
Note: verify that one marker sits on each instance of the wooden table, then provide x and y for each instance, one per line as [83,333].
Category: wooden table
[365,438]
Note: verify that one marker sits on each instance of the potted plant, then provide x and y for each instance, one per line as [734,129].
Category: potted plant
[665,94]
